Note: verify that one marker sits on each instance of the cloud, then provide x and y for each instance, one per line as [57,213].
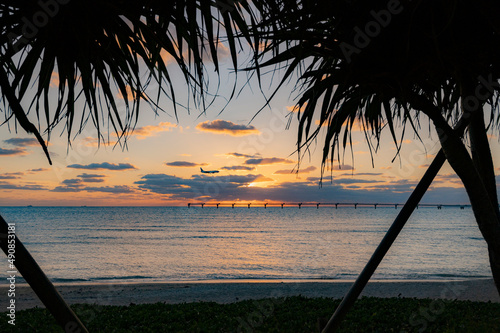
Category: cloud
[184,164]
[38,170]
[13,152]
[198,186]
[219,126]
[342,181]
[234,188]
[72,182]
[104,166]
[31,187]
[370,174]
[22,142]
[11,175]
[295,108]
[97,142]
[131,95]
[163,184]
[318,122]
[111,189]
[450,178]
[147,131]
[242,155]
[268,161]
[69,185]
[337,167]
[54,79]
[77,185]
[238,168]
[66,189]
[293,171]
[91,178]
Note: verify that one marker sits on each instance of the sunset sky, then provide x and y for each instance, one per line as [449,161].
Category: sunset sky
[160,164]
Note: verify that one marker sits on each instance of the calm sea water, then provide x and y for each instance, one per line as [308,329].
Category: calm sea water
[102,244]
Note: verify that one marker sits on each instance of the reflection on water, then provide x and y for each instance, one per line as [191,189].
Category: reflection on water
[177,243]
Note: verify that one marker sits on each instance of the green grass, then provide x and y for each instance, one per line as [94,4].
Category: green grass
[292,314]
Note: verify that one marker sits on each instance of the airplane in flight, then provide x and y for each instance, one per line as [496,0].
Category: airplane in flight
[210,171]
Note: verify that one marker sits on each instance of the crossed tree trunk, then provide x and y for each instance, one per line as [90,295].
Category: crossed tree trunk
[40,284]
[476,172]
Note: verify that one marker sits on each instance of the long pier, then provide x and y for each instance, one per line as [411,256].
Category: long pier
[317,204]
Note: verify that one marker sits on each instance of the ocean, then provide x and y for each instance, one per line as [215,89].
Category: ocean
[148,244]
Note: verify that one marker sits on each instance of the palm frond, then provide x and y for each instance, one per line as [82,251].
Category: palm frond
[345,79]
[105,54]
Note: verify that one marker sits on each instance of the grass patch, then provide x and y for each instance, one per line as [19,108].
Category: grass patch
[292,314]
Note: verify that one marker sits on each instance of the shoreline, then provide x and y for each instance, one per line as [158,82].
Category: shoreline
[230,291]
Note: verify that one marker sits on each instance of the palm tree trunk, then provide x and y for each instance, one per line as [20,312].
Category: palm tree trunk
[483,206]
[483,162]
[481,156]
[40,284]
[478,175]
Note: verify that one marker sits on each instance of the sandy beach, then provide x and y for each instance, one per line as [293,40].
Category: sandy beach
[224,291]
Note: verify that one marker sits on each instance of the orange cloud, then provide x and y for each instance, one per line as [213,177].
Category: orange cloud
[147,131]
[317,122]
[337,167]
[295,108]
[54,79]
[94,142]
[289,172]
[130,94]
[267,161]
